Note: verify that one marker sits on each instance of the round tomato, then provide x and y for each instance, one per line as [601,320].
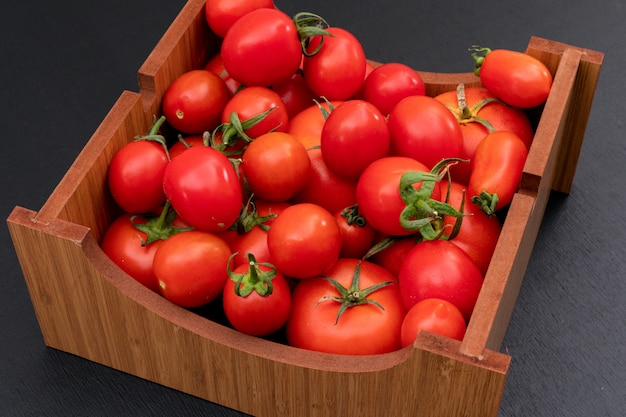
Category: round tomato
[361,314]
[135,176]
[204,189]
[310,121]
[252,102]
[324,187]
[191,268]
[497,170]
[479,113]
[479,232]
[516,78]
[433,315]
[355,134]
[378,195]
[389,83]
[295,93]
[304,241]
[194,101]
[440,269]
[357,235]
[276,166]
[257,299]
[262,48]
[126,245]
[424,129]
[222,14]
[337,71]
[185,143]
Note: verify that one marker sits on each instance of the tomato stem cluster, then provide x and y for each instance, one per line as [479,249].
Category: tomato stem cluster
[479,54]
[308,25]
[254,279]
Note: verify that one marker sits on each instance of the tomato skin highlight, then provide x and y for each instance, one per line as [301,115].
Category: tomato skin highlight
[304,241]
[435,316]
[262,48]
[497,167]
[440,269]
[361,330]
[191,268]
[193,102]
[203,187]
[516,78]
[424,129]
[389,83]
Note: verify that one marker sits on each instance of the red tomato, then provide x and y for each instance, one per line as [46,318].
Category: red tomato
[378,196]
[123,243]
[363,328]
[216,66]
[253,101]
[337,71]
[389,83]
[222,14]
[440,269]
[135,176]
[516,78]
[262,48]
[479,114]
[179,146]
[295,93]
[192,268]
[355,134]
[497,170]
[203,187]
[357,235]
[433,315]
[276,166]
[424,129]
[194,101]
[479,232]
[310,121]
[261,304]
[304,241]
[392,256]
[324,188]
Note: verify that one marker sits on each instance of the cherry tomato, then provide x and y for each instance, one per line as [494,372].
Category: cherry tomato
[179,146]
[440,269]
[357,235]
[355,134]
[304,241]
[337,71]
[253,101]
[276,166]
[257,299]
[191,268]
[370,325]
[125,245]
[324,187]
[378,196]
[516,78]
[497,170]
[262,48]
[479,112]
[389,83]
[479,232]
[392,256]
[295,93]
[222,14]
[203,187]
[424,129]
[310,121]
[433,315]
[216,66]
[135,176]
[194,101]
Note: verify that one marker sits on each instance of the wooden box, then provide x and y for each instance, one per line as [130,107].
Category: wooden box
[87,306]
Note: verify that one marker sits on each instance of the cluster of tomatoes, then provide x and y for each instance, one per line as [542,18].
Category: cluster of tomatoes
[314,193]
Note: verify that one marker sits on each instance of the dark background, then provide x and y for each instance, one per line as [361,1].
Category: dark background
[64,63]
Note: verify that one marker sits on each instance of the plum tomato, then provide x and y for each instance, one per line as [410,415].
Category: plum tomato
[355,310]
[433,315]
[389,83]
[304,241]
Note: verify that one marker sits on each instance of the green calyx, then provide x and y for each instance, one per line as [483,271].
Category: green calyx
[309,25]
[153,135]
[422,213]
[465,114]
[249,218]
[487,202]
[353,296]
[479,54]
[254,279]
[353,217]
[161,227]
[234,131]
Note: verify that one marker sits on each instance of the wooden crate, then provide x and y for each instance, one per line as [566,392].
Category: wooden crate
[87,306]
